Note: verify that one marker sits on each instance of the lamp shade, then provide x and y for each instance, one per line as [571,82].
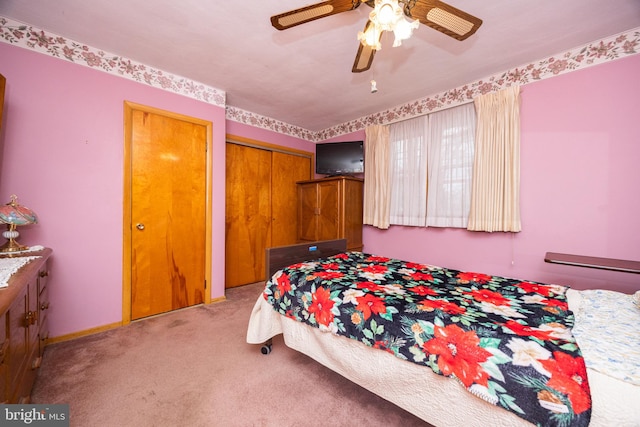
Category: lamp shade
[15,214]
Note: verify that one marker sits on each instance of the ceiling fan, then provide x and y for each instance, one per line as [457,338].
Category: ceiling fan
[432,13]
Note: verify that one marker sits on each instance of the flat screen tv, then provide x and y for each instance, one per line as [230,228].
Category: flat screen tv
[340,158]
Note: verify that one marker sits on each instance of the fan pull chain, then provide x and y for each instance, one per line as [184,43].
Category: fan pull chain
[374,84]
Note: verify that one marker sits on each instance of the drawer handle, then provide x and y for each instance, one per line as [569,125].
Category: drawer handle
[44,306]
[30,318]
[43,273]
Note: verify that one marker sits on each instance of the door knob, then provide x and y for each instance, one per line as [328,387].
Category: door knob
[140,226]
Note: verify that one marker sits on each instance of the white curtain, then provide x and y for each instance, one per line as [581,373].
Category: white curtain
[376,177]
[450,166]
[408,171]
[495,203]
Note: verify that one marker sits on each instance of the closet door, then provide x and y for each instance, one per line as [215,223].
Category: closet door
[260,207]
[165,221]
[330,210]
[286,170]
[248,213]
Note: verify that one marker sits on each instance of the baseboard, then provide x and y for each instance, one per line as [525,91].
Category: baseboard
[103,328]
[86,332]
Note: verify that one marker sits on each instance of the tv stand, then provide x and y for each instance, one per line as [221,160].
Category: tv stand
[329,209]
[340,175]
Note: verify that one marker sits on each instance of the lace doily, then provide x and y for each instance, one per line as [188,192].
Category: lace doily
[8,266]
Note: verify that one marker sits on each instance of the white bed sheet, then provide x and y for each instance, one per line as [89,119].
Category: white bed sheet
[439,400]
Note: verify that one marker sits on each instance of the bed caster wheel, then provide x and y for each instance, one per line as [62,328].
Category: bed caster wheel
[265,349]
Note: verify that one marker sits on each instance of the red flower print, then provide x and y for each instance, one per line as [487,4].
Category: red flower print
[415,266]
[485,295]
[342,256]
[562,305]
[328,275]
[535,288]
[459,354]
[466,277]
[296,266]
[331,266]
[569,376]
[375,269]
[422,290]
[419,275]
[369,286]
[375,258]
[527,331]
[443,305]
[369,303]
[284,285]
[321,305]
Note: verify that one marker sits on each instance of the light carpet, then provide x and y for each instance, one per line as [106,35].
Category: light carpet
[192,367]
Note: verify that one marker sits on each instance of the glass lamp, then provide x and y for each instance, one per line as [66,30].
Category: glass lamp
[14,215]
[387,15]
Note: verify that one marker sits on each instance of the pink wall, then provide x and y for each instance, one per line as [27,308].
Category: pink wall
[580,151]
[263,135]
[61,151]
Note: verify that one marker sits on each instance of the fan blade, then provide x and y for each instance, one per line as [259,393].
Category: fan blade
[364,57]
[313,12]
[444,18]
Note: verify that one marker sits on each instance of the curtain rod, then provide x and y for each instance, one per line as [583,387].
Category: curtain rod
[430,112]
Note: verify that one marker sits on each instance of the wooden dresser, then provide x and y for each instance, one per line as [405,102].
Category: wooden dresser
[23,327]
[331,208]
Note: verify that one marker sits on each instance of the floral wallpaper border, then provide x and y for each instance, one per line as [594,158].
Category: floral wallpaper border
[28,37]
[597,52]
[608,49]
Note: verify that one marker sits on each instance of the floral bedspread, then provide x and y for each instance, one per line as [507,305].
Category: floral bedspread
[507,341]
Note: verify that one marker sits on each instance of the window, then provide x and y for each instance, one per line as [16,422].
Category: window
[408,172]
[431,168]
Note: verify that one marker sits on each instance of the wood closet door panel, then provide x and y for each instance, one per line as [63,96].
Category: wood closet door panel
[308,212]
[285,171]
[353,211]
[248,213]
[168,169]
[330,220]
[331,208]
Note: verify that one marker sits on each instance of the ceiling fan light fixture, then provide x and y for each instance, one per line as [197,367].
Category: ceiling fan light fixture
[403,30]
[370,37]
[386,14]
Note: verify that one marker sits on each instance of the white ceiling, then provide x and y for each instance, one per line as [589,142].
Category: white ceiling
[302,76]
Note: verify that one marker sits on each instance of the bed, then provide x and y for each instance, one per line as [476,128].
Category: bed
[516,372]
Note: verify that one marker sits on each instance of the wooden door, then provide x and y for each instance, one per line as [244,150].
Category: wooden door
[308,212]
[352,202]
[248,213]
[260,207]
[168,220]
[329,210]
[286,169]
